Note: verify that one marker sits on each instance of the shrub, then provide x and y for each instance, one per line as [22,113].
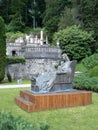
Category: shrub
[9,77]
[81,81]
[13,60]
[30,30]
[44,126]
[9,122]
[80,67]
[2,49]
[11,36]
[75,42]
[91,61]
[84,82]
[94,71]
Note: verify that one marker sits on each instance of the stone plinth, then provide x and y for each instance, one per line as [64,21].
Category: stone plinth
[37,102]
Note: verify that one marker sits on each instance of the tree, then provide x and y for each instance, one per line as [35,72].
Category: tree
[52,14]
[70,15]
[67,18]
[19,14]
[39,10]
[88,10]
[5,10]
[2,49]
[75,42]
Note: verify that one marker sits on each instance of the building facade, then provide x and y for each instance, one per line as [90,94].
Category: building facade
[39,57]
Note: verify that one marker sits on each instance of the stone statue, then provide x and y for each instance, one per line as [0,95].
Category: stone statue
[55,80]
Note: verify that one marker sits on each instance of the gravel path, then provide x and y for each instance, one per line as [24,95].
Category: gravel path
[15,86]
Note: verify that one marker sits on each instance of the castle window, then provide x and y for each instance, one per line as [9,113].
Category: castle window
[14,53]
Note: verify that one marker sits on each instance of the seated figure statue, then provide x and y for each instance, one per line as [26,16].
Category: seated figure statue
[55,80]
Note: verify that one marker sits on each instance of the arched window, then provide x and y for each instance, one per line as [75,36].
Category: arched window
[14,53]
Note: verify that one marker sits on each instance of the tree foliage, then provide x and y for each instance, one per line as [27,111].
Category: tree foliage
[67,18]
[88,10]
[84,13]
[2,49]
[52,14]
[22,13]
[75,42]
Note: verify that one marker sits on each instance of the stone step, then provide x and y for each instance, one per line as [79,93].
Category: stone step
[27,96]
[24,104]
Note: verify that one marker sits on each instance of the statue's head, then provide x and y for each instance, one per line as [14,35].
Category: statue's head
[65,57]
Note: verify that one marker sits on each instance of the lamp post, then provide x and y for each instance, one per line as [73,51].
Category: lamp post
[32,12]
[33,17]
[34,22]
[34,2]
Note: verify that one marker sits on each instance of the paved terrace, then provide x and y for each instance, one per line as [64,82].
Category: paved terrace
[15,86]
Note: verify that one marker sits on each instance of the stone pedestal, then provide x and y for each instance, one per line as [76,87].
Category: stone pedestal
[37,102]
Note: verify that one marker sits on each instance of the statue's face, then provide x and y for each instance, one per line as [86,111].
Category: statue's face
[64,56]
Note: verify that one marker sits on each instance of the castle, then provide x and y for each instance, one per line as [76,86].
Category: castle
[39,56]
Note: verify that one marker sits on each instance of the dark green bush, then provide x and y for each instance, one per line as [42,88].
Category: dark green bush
[91,61]
[93,72]
[44,126]
[2,49]
[11,36]
[75,42]
[9,77]
[13,60]
[84,82]
[9,122]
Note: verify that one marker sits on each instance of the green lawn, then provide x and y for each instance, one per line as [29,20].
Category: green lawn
[77,118]
[15,82]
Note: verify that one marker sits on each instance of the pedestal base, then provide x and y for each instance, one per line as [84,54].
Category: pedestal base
[36,102]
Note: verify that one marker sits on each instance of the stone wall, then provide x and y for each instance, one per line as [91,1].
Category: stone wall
[38,59]
[10,47]
[31,67]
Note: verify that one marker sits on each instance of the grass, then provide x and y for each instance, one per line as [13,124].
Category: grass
[81,67]
[15,82]
[77,118]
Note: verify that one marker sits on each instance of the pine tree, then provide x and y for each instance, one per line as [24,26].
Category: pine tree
[2,49]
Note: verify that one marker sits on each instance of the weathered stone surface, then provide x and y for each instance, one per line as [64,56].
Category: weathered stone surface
[39,59]
[55,80]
